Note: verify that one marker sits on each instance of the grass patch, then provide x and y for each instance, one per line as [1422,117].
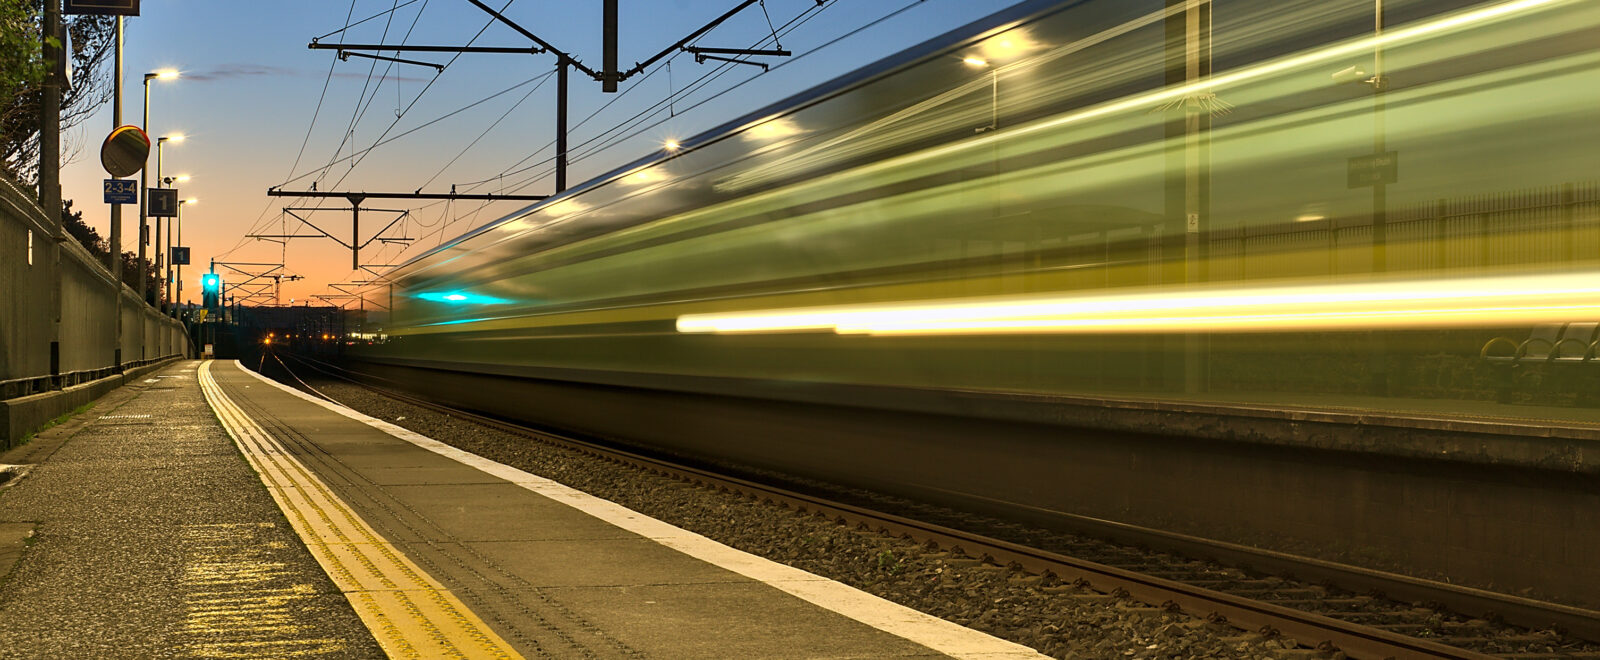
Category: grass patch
[59,420]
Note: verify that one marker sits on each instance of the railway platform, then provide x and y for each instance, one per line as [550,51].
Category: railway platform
[141,532]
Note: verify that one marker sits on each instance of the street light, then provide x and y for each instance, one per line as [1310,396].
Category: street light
[144,180]
[179,232]
[161,265]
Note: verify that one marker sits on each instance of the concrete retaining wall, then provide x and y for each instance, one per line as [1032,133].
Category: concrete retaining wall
[53,291]
[24,415]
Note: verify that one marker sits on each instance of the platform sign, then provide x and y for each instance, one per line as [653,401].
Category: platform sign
[122,191]
[163,202]
[180,256]
[101,7]
[1367,171]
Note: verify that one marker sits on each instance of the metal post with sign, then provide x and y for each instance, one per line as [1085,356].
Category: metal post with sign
[102,7]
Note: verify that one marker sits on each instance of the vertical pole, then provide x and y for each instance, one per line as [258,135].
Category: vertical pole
[178,278]
[1380,192]
[166,251]
[50,117]
[1569,230]
[1380,384]
[156,247]
[355,234]
[116,210]
[50,170]
[561,124]
[143,264]
[608,82]
[1188,180]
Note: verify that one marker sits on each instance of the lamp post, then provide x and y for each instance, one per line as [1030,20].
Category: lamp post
[160,261]
[179,233]
[144,179]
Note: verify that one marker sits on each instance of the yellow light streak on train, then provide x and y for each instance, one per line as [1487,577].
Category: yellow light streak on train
[1389,305]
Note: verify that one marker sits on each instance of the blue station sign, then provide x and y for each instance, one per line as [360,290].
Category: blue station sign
[122,191]
[101,7]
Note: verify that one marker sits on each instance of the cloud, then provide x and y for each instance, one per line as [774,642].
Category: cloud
[227,71]
[240,70]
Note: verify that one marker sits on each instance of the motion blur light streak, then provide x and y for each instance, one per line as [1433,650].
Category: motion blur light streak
[1435,303]
[1056,254]
[462,298]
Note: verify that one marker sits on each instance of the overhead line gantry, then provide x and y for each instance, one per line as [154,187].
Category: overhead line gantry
[357,198]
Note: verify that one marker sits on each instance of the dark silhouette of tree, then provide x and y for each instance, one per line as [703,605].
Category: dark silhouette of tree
[92,42]
[90,239]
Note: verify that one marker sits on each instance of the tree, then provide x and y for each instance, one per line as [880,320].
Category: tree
[90,239]
[22,69]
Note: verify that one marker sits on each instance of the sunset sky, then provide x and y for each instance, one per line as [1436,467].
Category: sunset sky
[250,92]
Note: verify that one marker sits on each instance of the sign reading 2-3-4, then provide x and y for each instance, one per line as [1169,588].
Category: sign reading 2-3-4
[122,191]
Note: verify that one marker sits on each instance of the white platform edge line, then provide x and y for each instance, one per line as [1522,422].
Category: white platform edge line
[930,631]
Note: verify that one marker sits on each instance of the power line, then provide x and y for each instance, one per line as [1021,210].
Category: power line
[349,25]
[491,127]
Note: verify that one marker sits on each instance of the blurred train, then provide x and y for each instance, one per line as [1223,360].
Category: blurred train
[1075,261]
[1245,201]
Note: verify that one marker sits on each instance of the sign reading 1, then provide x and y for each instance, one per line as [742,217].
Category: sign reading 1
[102,7]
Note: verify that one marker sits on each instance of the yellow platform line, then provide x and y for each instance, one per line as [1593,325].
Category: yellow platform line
[410,614]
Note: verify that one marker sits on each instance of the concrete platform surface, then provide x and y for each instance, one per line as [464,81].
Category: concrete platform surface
[547,570]
[152,539]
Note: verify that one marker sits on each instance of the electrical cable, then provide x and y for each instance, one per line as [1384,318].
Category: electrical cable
[309,129]
[349,25]
[609,138]
[491,127]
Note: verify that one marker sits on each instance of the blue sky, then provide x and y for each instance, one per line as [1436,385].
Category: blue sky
[251,89]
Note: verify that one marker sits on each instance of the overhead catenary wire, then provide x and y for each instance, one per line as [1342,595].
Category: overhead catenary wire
[599,143]
[349,25]
[306,141]
[542,80]
[706,79]
[361,108]
[381,140]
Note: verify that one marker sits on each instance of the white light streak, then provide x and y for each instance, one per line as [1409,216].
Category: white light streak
[1413,304]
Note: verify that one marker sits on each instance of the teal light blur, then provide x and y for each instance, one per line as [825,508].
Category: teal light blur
[461,298]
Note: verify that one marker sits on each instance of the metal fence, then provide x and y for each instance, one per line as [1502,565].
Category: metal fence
[1537,228]
[60,308]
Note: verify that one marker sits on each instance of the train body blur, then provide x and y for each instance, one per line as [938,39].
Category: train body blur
[1068,154]
[1246,270]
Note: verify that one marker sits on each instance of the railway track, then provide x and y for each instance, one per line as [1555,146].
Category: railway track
[1328,608]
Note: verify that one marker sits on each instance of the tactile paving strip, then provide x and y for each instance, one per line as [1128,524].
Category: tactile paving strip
[410,614]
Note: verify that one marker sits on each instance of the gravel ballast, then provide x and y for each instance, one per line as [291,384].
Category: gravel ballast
[1060,620]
